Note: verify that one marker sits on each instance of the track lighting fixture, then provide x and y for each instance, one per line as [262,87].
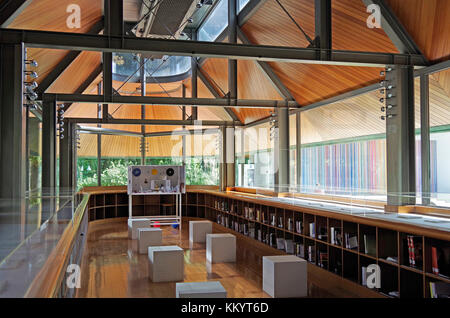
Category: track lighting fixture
[382,91]
[383,108]
[388,69]
[31,74]
[382,83]
[387,116]
[31,63]
[31,95]
[382,100]
[32,85]
[190,20]
[382,73]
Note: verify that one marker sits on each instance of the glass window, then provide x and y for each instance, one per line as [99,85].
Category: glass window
[87,161]
[118,152]
[344,148]
[254,155]
[202,158]
[439,90]
[216,22]
[242,4]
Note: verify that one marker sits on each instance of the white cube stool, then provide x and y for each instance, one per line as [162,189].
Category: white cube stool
[134,225]
[200,290]
[198,231]
[148,237]
[220,248]
[285,276]
[166,263]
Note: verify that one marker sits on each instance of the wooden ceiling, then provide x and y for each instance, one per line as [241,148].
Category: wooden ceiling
[427,21]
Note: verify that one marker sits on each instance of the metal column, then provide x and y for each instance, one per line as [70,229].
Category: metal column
[12,123]
[66,157]
[143,93]
[425,138]
[323,28]
[99,140]
[183,137]
[233,88]
[282,151]
[48,144]
[298,141]
[400,138]
[194,78]
[113,11]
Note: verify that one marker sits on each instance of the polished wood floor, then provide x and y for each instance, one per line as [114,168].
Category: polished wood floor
[111,266]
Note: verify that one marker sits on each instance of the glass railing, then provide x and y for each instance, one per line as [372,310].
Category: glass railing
[30,229]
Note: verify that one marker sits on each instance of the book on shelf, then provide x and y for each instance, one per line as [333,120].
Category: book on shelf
[440,260]
[393,259]
[258,215]
[273,220]
[414,250]
[364,276]
[351,242]
[323,259]
[434,261]
[251,230]
[280,243]
[322,233]
[272,240]
[299,250]
[370,244]
[336,236]
[251,213]
[312,254]
[259,235]
[289,246]
[290,224]
[280,222]
[298,227]
[246,229]
[439,290]
[246,212]
[312,230]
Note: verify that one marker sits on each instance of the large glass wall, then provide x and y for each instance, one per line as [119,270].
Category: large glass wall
[87,161]
[439,89]
[254,156]
[217,21]
[344,149]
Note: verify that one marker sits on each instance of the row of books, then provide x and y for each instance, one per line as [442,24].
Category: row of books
[350,241]
[440,260]
[415,249]
[370,244]
[336,236]
[439,290]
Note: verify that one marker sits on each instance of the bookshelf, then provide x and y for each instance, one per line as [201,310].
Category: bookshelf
[340,244]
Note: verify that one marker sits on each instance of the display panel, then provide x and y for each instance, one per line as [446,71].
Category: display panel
[147,179]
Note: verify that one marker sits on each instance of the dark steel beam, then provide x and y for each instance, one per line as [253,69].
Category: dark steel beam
[323,28]
[395,30]
[49,144]
[57,71]
[66,158]
[88,81]
[154,122]
[12,123]
[282,151]
[400,137]
[194,79]
[88,42]
[268,71]
[173,101]
[425,138]
[100,108]
[11,9]
[249,10]
[298,148]
[212,89]
[143,93]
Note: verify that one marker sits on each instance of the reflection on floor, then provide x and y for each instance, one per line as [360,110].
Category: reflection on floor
[113,268]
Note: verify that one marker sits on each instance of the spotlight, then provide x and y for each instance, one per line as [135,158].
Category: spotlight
[190,20]
[32,85]
[381,100]
[382,91]
[388,69]
[31,63]
[382,83]
[31,95]
[389,95]
[390,87]
[31,74]
[199,5]
[61,136]
[382,73]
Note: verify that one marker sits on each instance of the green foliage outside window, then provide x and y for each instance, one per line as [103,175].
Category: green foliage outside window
[199,170]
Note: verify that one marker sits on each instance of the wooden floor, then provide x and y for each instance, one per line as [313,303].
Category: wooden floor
[111,267]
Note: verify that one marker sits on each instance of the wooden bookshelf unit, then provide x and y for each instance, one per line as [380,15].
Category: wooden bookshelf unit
[339,243]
